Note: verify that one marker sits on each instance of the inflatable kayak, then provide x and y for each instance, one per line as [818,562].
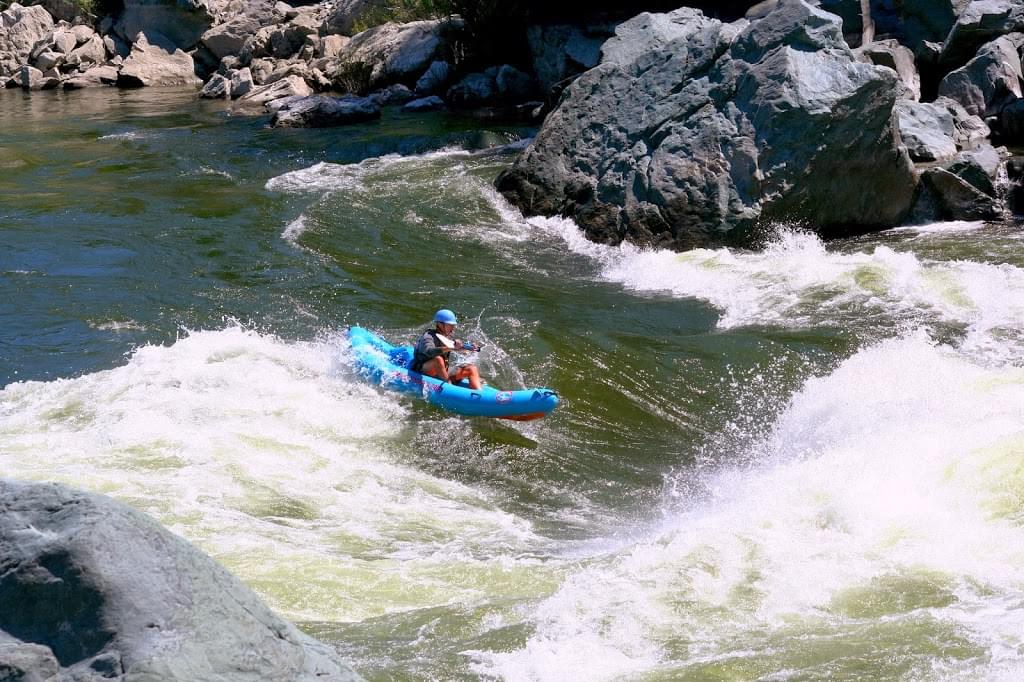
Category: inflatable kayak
[388,365]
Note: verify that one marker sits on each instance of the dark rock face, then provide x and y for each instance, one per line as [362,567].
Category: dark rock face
[101,591]
[692,132]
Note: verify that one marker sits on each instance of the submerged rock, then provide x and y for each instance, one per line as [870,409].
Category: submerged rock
[693,132]
[92,589]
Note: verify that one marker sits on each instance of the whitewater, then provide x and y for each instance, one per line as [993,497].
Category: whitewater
[800,462]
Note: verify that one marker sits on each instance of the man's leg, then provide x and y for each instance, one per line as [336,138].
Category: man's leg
[467,372]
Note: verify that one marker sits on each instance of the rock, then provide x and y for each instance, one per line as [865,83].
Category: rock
[25,662]
[83,33]
[561,51]
[391,95]
[218,87]
[90,52]
[853,26]
[977,167]
[344,14]
[432,103]
[290,86]
[30,78]
[928,20]
[241,83]
[1011,123]
[182,22]
[229,38]
[944,196]
[62,10]
[970,129]
[398,53]
[261,70]
[115,46]
[900,59]
[434,78]
[321,111]
[20,29]
[693,132]
[331,46]
[928,130]
[1015,193]
[64,41]
[475,90]
[978,23]
[154,60]
[155,609]
[989,81]
[97,75]
[48,60]
[286,10]
[513,85]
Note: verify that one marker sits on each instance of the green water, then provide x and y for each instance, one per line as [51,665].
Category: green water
[714,499]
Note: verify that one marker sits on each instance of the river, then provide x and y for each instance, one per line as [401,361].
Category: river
[801,462]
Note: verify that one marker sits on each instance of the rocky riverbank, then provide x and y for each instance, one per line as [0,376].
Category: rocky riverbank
[692,131]
[683,130]
[94,590]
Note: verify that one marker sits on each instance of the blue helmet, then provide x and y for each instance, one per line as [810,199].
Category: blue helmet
[446,316]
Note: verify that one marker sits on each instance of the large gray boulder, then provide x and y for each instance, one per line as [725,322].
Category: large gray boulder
[928,130]
[20,29]
[183,22]
[321,111]
[289,86]
[989,81]
[897,57]
[109,594]
[691,132]
[978,23]
[154,60]
[929,20]
[399,53]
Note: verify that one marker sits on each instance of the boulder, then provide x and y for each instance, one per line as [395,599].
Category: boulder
[970,129]
[398,53]
[182,22]
[241,83]
[900,59]
[692,132]
[321,111]
[561,52]
[977,167]
[392,95]
[97,75]
[291,86]
[1015,192]
[48,60]
[434,79]
[25,662]
[475,90]
[928,130]
[928,20]
[331,46]
[229,38]
[155,60]
[20,29]
[945,196]
[989,81]
[113,595]
[978,23]
[218,87]
[432,103]
[31,78]
[513,85]
[91,52]
[62,10]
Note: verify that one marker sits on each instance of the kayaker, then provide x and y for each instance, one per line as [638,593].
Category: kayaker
[432,352]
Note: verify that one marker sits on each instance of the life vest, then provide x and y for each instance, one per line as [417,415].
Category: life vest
[419,358]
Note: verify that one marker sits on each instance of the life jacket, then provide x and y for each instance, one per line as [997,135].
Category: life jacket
[419,358]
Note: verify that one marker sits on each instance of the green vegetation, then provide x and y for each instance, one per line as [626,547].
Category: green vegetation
[403,11]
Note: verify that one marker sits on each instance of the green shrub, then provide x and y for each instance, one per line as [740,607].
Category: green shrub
[402,11]
[353,77]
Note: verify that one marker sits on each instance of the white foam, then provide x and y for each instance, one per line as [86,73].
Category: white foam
[889,491]
[276,460]
[294,230]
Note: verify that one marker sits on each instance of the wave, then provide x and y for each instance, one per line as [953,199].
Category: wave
[884,505]
[281,464]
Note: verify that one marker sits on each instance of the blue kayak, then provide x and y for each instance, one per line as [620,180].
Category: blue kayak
[388,365]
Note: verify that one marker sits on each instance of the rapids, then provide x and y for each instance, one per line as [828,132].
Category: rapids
[802,462]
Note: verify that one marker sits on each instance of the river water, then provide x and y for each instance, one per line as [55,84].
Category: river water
[803,462]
